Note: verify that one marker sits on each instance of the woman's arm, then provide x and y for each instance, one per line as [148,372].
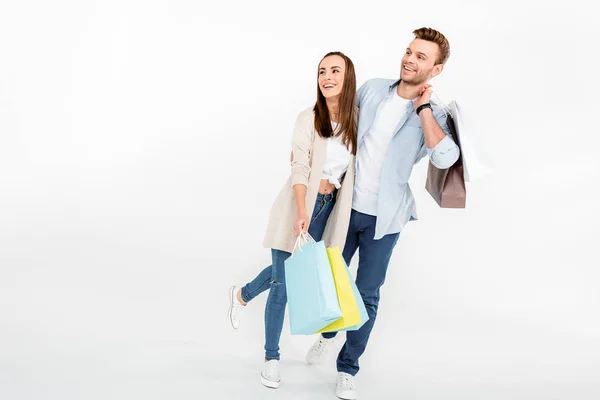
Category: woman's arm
[300,160]
[302,221]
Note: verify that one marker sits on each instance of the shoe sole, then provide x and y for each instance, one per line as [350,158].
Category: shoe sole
[268,383]
[313,362]
[231,294]
[347,397]
[317,360]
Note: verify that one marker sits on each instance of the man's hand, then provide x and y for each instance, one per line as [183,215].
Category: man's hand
[424,96]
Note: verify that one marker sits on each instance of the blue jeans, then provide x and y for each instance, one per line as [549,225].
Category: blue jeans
[273,278]
[373,259]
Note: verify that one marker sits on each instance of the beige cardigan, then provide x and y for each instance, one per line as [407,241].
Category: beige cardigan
[310,151]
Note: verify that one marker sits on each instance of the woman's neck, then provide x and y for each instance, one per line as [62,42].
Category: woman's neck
[333,105]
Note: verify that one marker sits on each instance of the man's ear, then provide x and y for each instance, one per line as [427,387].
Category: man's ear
[437,70]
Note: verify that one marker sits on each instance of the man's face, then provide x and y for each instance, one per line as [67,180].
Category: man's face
[419,62]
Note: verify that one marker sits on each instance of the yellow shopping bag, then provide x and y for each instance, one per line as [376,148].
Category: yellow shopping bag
[345,293]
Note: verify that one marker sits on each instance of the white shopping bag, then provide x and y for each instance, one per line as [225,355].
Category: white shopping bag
[473,167]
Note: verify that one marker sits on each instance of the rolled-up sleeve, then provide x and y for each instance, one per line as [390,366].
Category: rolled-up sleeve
[446,152]
[301,147]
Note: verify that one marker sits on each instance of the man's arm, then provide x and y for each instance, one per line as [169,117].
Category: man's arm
[432,132]
[360,93]
[443,151]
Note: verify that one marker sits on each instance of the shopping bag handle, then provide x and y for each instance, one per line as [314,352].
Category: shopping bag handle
[442,103]
[303,236]
[308,237]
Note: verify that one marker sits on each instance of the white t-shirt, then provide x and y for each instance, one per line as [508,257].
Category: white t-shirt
[337,159]
[369,159]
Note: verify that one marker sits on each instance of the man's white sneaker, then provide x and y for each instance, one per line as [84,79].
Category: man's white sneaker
[345,387]
[270,374]
[235,307]
[319,350]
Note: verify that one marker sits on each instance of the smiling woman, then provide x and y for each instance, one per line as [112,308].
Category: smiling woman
[337,90]
[320,185]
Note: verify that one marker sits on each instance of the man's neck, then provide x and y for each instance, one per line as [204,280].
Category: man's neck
[408,91]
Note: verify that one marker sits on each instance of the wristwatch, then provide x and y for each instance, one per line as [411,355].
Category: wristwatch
[422,106]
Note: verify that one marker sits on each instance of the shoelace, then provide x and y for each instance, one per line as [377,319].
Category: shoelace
[321,346]
[236,305]
[346,382]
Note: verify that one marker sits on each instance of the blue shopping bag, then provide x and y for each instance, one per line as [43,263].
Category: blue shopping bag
[312,298]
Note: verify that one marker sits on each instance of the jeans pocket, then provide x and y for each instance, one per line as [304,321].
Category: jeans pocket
[318,209]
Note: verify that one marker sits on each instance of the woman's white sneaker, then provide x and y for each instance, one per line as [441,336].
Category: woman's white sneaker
[345,387]
[235,307]
[319,350]
[270,374]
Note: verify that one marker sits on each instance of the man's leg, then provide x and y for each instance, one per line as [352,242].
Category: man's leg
[349,250]
[373,259]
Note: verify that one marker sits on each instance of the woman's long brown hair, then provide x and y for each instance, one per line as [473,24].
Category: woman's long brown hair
[348,118]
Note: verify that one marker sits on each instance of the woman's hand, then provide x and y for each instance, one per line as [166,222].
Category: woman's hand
[301,224]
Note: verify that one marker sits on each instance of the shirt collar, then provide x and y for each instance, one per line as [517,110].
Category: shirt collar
[394,85]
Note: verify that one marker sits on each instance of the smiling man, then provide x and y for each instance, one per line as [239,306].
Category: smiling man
[398,125]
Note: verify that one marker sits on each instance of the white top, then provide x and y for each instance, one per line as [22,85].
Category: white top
[369,159]
[337,159]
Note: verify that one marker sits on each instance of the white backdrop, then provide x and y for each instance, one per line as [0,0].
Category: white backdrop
[143,142]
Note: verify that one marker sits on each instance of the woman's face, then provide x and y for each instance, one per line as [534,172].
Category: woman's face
[331,76]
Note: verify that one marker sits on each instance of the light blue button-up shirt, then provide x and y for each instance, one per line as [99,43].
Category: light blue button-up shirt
[395,203]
